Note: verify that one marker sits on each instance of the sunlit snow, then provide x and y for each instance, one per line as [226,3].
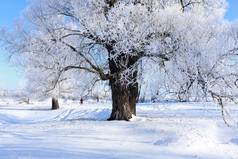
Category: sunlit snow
[160,130]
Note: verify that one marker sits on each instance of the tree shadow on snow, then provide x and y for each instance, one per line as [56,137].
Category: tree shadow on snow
[234,141]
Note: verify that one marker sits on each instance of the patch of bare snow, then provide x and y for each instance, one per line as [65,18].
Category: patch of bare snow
[162,130]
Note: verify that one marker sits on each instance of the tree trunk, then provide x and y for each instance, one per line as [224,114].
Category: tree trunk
[123,100]
[55,103]
[124,95]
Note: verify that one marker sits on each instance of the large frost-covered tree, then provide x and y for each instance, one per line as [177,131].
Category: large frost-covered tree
[115,40]
[205,62]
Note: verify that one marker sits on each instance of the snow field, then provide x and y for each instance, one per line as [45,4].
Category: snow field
[159,131]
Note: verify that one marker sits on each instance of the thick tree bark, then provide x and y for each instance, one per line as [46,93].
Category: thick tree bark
[55,103]
[124,95]
[123,100]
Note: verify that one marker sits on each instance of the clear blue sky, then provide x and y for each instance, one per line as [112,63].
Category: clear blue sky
[11,10]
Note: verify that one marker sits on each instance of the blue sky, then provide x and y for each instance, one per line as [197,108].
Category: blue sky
[11,10]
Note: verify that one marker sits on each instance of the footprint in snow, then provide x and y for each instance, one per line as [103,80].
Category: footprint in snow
[163,142]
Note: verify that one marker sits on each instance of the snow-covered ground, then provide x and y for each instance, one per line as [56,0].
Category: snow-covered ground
[160,131]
